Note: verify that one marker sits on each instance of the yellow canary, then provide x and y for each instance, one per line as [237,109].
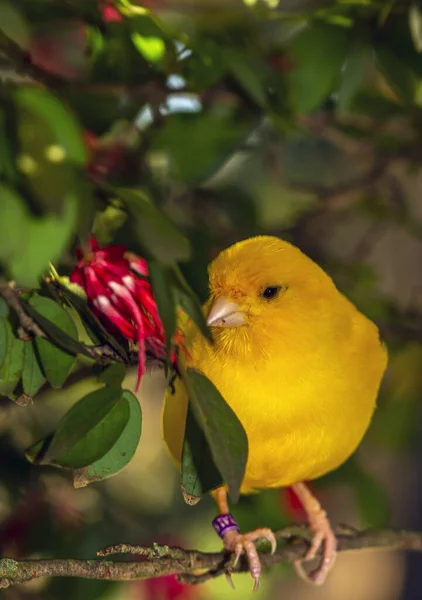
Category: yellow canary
[298,364]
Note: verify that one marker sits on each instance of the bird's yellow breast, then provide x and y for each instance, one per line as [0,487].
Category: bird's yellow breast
[304,386]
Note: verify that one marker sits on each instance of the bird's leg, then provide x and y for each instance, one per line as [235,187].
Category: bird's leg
[323,534]
[234,541]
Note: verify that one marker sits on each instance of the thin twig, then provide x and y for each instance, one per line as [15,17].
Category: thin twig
[165,560]
[103,354]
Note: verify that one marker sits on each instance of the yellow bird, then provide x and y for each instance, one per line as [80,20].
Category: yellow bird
[298,364]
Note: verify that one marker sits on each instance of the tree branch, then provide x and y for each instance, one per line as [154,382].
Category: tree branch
[103,354]
[158,560]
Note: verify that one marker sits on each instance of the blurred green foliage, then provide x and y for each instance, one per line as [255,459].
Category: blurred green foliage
[177,128]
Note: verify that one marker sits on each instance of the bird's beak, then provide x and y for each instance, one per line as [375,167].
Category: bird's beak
[225,313]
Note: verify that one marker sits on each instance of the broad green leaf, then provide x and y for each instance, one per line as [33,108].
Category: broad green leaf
[164,297]
[113,375]
[397,73]
[156,233]
[188,301]
[206,65]
[32,376]
[55,362]
[14,225]
[4,340]
[64,127]
[209,139]
[199,473]
[318,54]
[223,431]
[29,242]
[46,238]
[122,451]
[90,429]
[13,24]
[12,366]
[247,74]
[353,76]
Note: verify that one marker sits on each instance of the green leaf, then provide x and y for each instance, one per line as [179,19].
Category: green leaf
[353,75]
[90,429]
[318,54]
[13,24]
[14,225]
[32,376]
[247,74]
[4,339]
[28,243]
[12,366]
[163,295]
[46,238]
[121,452]
[199,473]
[56,363]
[209,139]
[46,107]
[113,375]
[397,73]
[223,431]
[156,233]
[188,301]
[147,38]
[152,48]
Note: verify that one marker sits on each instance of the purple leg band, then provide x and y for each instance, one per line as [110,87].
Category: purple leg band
[224,523]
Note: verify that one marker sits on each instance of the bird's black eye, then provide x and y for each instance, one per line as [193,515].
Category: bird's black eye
[271,292]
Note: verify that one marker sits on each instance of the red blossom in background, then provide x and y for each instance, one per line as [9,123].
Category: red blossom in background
[118,292]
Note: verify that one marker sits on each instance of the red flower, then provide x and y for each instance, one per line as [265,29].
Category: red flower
[120,295]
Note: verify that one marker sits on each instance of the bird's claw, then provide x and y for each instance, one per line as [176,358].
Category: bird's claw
[323,535]
[245,543]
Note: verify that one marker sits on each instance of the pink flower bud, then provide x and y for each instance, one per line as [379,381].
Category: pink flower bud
[121,297]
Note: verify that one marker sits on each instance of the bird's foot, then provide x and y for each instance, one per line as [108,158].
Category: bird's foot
[245,543]
[323,535]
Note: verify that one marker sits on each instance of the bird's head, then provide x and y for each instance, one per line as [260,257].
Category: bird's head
[264,284]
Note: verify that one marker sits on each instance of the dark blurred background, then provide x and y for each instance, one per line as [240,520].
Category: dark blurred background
[296,118]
